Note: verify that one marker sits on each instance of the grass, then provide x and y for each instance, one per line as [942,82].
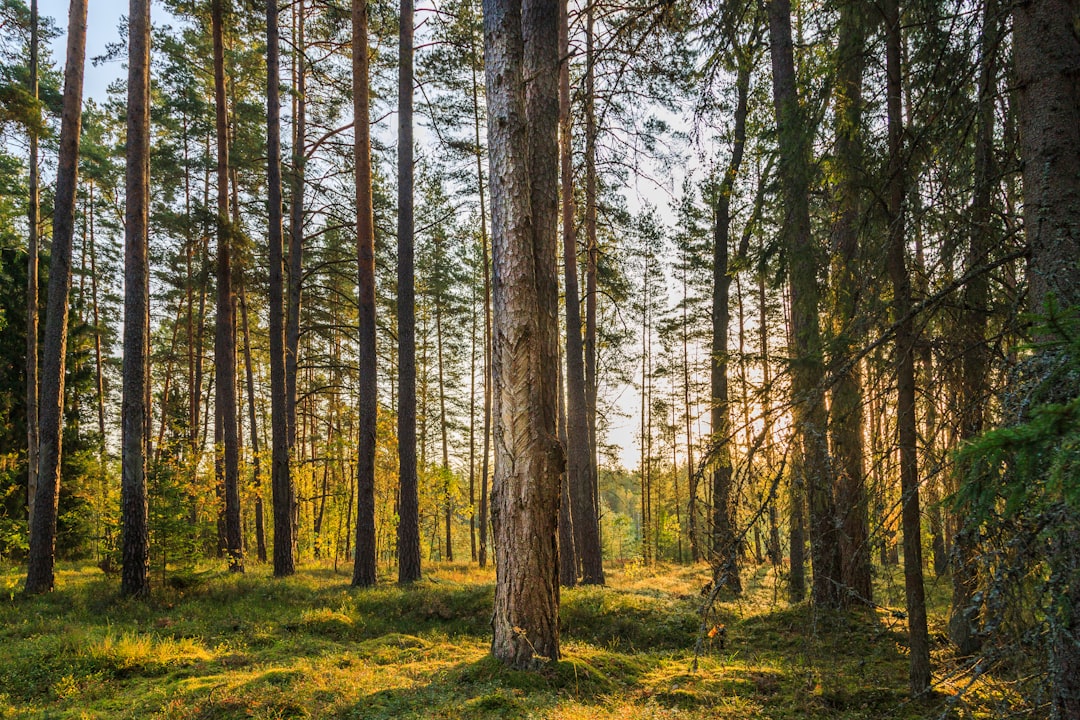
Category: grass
[226,646]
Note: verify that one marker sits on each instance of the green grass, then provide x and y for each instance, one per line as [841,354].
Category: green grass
[215,645]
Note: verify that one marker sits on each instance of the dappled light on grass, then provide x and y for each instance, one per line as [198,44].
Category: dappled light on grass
[226,646]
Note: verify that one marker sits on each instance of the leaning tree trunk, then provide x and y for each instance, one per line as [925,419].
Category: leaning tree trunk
[578,450]
[281,487]
[364,562]
[521,43]
[1047,53]
[408,500]
[846,397]
[135,578]
[807,364]
[919,672]
[224,331]
[42,555]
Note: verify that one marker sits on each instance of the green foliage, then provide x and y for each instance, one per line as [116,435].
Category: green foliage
[231,646]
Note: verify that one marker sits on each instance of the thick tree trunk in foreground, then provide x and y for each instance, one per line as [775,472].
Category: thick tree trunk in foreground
[807,364]
[281,486]
[846,400]
[919,672]
[1048,73]
[408,499]
[225,330]
[364,562]
[135,578]
[521,52]
[579,465]
[42,555]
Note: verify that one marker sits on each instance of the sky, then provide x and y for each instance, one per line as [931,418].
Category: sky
[102,27]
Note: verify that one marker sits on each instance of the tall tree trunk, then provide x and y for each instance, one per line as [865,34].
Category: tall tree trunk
[1047,53]
[249,372]
[802,256]
[521,43]
[568,563]
[225,328]
[592,250]
[281,485]
[846,398]
[99,370]
[448,506]
[919,672]
[34,223]
[42,554]
[472,425]
[135,577]
[485,459]
[724,547]
[364,564]
[579,464]
[972,328]
[296,222]
[691,477]
[408,510]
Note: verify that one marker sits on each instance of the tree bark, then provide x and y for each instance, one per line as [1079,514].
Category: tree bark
[724,547]
[281,485]
[579,465]
[42,554]
[33,221]
[846,397]
[225,327]
[1047,53]
[135,577]
[807,364]
[521,44]
[364,564]
[919,672]
[592,250]
[408,510]
[296,226]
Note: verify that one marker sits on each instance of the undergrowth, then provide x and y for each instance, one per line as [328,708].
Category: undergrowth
[215,645]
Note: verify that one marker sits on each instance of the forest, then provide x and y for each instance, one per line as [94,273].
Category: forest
[541,358]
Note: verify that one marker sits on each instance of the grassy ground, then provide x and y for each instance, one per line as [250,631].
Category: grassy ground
[224,646]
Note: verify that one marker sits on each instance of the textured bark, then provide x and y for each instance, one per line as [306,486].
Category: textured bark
[724,546]
[296,228]
[33,221]
[364,563]
[521,52]
[225,326]
[592,250]
[42,554]
[918,639]
[579,465]
[135,577]
[408,502]
[846,397]
[281,486]
[802,256]
[1047,52]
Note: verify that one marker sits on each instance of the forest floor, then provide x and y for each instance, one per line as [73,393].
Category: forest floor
[215,645]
